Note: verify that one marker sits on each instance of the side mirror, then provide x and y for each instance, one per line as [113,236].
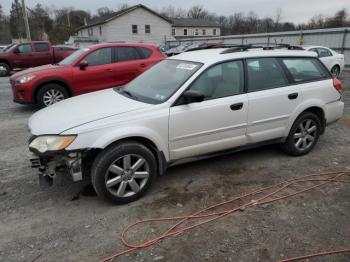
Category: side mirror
[83,64]
[191,96]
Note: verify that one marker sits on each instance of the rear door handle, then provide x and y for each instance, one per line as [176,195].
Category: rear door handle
[236,107]
[109,69]
[293,96]
[143,65]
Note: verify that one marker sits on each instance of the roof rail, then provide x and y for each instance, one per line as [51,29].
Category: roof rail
[264,46]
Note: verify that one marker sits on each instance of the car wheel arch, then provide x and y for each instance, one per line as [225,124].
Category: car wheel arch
[150,144]
[60,82]
[316,108]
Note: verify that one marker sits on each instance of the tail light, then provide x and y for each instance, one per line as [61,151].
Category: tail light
[337,85]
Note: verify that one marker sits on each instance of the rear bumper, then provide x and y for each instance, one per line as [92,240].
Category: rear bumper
[334,111]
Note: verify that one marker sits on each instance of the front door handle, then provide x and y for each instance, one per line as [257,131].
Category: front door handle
[236,107]
[143,65]
[293,96]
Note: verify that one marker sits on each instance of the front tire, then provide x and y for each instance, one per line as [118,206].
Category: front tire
[5,69]
[124,172]
[303,135]
[51,94]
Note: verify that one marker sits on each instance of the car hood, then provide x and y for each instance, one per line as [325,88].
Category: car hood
[35,70]
[80,110]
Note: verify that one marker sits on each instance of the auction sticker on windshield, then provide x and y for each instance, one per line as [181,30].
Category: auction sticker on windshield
[186,66]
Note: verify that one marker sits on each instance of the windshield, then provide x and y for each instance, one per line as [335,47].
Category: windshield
[157,84]
[69,59]
[7,48]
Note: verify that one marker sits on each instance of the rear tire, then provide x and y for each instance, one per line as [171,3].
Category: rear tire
[51,94]
[5,69]
[124,172]
[303,135]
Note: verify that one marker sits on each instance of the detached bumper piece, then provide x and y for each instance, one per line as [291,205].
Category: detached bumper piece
[50,167]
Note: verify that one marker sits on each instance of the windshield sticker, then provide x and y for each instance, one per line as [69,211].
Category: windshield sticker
[185,66]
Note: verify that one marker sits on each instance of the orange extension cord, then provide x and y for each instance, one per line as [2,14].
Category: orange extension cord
[318,180]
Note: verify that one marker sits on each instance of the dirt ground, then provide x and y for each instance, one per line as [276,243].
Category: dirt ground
[67,223]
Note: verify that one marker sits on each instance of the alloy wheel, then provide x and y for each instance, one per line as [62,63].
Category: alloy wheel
[52,96]
[305,134]
[127,175]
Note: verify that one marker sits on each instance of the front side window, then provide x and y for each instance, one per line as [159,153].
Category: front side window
[226,79]
[265,73]
[160,82]
[127,53]
[41,47]
[304,69]
[134,29]
[99,57]
[25,48]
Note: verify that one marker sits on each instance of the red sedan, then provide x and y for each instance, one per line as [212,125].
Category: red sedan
[86,70]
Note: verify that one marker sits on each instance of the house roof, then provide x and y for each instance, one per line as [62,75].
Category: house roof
[114,15]
[191,22]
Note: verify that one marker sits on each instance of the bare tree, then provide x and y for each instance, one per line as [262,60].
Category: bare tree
[197,12]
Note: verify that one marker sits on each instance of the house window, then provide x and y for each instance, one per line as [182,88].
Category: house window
[100,30]
[185,31]
[90,31]
[196,32]
[134,29]
[147,29]
[214,31]
[204,32]
[173,31]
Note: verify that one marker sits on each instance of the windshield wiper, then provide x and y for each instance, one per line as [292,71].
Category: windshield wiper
[128,93]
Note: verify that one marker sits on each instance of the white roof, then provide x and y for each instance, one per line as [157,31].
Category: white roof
[210,56]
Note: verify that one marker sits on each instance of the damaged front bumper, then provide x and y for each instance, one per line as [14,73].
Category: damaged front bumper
[50,165]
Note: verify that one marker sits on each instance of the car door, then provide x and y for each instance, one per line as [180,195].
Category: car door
[23,56]
[130,64]
[97,75]
[42,54]
[271,99]
[218,122]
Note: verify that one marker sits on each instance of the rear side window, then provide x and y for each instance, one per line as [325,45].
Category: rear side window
[41,47]
[305,69]
[323,52]
[145,52]
[99,57]
[265,73]
[127,53]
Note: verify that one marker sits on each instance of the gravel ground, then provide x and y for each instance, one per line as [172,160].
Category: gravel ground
[68,223]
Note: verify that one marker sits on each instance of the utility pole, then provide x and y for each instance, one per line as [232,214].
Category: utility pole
[25,17]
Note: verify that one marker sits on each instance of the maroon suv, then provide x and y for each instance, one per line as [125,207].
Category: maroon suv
[86,70]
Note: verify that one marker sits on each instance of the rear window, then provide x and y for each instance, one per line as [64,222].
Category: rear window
[41,47]
[146,53]
[305,69]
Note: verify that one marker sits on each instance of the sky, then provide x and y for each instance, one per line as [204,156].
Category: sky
[297,11]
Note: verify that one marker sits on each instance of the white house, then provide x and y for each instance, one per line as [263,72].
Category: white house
[141,24]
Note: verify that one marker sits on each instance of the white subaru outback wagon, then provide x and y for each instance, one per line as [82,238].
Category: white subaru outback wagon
[187,106]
